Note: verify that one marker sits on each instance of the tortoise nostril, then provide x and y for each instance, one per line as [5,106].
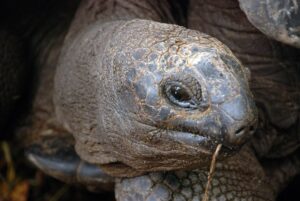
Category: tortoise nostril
[252,129]
[240,131]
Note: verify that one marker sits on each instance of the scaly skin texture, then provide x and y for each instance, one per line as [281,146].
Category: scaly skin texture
[239,178]
[115,100]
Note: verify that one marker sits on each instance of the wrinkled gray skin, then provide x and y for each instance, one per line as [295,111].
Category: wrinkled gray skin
[111,93]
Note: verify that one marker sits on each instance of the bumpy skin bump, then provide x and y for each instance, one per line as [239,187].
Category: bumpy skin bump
[114,100]
[279,19]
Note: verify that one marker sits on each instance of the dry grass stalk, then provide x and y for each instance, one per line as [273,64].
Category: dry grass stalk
[211,172]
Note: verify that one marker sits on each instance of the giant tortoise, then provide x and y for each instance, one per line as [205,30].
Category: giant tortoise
[122,97]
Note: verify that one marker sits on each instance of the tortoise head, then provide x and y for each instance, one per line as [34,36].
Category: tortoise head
[152,96]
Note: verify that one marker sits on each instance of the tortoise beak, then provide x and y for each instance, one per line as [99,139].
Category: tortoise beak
[239,119]
[231,123]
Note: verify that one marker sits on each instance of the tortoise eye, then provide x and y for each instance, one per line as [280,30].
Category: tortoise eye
[179,95]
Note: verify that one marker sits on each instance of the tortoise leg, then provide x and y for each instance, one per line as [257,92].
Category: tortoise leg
[238,178]
[279,19]
[56,157]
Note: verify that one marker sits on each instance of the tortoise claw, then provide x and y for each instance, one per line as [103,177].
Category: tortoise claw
[62,163]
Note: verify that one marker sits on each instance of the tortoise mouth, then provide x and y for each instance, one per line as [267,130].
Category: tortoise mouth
[191,140]
[203,142]
[206,135]
[166,150]
[186,151]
